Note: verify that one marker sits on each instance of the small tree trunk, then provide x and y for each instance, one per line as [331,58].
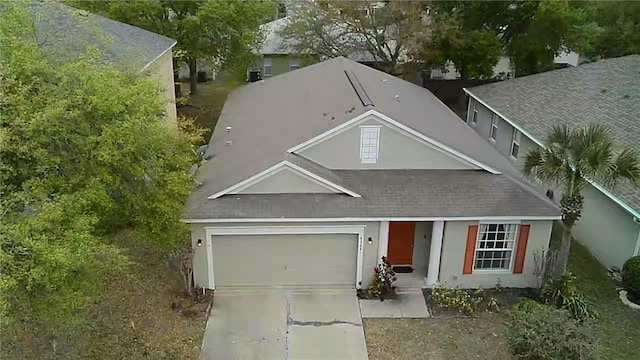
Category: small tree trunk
[176,69]
[563,256]
[193,76]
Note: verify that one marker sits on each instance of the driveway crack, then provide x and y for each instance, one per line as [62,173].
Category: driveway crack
[322,323]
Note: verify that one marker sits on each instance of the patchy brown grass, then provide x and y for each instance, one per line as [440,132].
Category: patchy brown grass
[206,105]
[132,318]
[436,339]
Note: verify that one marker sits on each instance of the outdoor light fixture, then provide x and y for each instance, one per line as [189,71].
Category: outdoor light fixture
[199,242]
[370,240]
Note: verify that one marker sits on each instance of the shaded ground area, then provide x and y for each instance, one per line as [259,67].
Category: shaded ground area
[206,105]
[435,339]
[132,318]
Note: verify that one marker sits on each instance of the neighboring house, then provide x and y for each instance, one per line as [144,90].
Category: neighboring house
[503,68]
[275,57]
[311,177]
[516,115]
[65,31]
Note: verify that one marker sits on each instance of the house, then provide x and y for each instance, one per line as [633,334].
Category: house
[65,31]
[311,177]
[516,115]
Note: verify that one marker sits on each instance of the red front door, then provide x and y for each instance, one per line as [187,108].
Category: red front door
[401,235]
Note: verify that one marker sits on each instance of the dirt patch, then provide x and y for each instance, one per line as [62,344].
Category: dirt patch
[437,338]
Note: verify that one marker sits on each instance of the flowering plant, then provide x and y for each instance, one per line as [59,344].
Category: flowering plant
[382,285]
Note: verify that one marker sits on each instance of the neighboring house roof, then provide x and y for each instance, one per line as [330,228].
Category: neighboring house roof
[268,118]
[605,92]
[272,43]
[66,31]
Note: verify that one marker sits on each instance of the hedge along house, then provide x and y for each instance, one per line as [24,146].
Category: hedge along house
[515,116]
[337,164]
[65,31]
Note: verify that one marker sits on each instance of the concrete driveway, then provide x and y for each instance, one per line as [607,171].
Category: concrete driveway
[285,324]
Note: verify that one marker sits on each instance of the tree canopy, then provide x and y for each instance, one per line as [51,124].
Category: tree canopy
[84,149]
[223,31]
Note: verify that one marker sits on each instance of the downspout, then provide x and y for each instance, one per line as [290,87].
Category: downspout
[636,252]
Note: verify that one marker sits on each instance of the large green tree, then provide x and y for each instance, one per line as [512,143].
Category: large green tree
[572,157]
[474,34]
[220,31]
[618,28]
[84,149]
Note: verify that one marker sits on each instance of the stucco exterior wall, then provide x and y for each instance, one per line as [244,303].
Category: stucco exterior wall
[421,246]
[396,151]
[163,67]
[279,64]
[369,259]
[285,181]
[607,230]
[453,252]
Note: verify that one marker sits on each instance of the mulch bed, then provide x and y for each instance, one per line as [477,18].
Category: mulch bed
[505,297]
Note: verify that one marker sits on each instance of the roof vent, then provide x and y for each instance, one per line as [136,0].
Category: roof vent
[359,89]
[397,98]
[228,129]
[229,142]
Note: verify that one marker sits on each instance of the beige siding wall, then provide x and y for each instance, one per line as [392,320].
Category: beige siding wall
[285,181]
[396,151]
[370,251]
[163,67]
[607,230]
[453,251]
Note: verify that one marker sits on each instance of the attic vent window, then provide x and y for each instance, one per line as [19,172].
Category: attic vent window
[369,144]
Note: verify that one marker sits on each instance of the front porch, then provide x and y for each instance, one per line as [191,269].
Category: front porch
[414,249]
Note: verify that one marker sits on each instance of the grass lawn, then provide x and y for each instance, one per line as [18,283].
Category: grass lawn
[130,319]
[435,339]
[618,325]
[206,105]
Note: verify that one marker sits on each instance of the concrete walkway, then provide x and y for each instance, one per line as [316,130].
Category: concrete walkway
[281,324]
[409,304]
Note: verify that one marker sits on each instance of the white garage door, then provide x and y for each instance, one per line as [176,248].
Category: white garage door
[285,260]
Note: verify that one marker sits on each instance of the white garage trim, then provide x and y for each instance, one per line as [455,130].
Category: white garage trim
[284,230]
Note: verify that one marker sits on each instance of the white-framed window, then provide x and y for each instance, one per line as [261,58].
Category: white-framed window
[495,246]
[474,117]
[515,143]
[493,132]
[369,144]
[267,71]
[294,64]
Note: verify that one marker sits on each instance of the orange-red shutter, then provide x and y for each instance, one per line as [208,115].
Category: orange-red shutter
[521,249]
[472,234]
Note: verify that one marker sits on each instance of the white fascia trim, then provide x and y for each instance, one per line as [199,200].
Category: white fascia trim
[362,117]
[274,169]
[484,219]
[159,56]
[636,252]
[541,144]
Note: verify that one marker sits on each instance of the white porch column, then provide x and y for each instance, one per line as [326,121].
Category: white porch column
[383,240]
[435,253]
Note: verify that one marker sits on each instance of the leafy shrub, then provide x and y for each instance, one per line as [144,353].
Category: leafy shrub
[631,276]
[562,294]
[540,332]
[456,299]
[382,285]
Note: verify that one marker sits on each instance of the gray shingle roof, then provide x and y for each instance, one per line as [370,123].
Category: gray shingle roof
[389,193]
[66,31]
[605,92]
[269,117]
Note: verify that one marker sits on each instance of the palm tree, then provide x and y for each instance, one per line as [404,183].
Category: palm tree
[572,157]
